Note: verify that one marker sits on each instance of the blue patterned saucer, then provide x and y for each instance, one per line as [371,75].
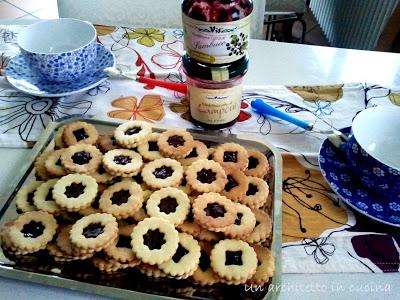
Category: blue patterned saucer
[335,169]
[21,77]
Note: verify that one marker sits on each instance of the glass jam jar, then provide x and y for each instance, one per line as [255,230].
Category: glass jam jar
[216,31]
[214,91]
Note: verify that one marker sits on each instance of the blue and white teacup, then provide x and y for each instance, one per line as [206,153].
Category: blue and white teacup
[373,151]
[59,50]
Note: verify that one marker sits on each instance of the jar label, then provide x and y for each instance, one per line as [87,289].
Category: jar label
[216,43]
[215,107]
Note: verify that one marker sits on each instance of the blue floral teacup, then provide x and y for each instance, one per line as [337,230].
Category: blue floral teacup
[59,50]
[373,150]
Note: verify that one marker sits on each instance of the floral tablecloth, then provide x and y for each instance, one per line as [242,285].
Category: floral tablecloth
[320,233]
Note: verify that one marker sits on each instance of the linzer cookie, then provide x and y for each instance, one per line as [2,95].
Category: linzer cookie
[121,249]
[75,191]
[258,165]
[43,197]
[265,267]
[257,193]
[41,172]
[211,210]
[186,258]
[175,143]
[58,138]
[231,156]
[163,172]
[199,151]
[24,197]
[149,150]
[81,158]
[122,199]
[206,176]
[262,230]
[154,240]
[141,214]
[53,164]
[170,204]
[80,132]
[31,231]
[101,175]
[107,142]
[122,162]
[94,232]
[244,223]
[236,186]
[132,133]
[204,274]
[234,260]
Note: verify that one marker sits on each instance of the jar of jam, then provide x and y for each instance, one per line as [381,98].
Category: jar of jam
[216,31]
[214,91]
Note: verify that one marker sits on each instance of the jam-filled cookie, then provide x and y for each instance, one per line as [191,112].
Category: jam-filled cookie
[186,258]
[107,142]
[41,172]
[53,164]
[175,143]
[170,204]
[258,165]
[102,176]
[257,193]
[75,191]
[234,260]
[204,274]
[149,150]
[122,199]
[122,162]
[211,210]
[263,228]
[43,197]
[94,232]
[163,172]
[244,223]
[154,240]
[80,132]
[108,265]
[121,249]
[231,156]
[31,231]
[81,158]
[206,176]
[237,185]
[132,133]
[95,205]
[64,244]
[199,151]
[265,267]
[58,138]
[141,214]
[24,197]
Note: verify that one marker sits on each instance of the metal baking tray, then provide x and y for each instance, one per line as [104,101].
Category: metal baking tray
[125,284]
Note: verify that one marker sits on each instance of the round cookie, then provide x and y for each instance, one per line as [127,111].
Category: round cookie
[107,142]
[149,149]
[258,165]
[265,266]
[81,158]
[244,223]
[263,228]
[237,185]
[80,132]
[204,274]
[154,240]
[24,197]
[122,162]
[133,133]
[175,143]
[41,172]
[231,156]
[257,193]
[163,172]
[53,164]
[121,249]
[206,176]
[43,197]
[199,151]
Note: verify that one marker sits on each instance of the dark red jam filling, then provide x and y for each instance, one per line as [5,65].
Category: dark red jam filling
[192,153]
[93,230]
[74,190]
[124,242]
[215,210]
[133,130]
[29,198]
[168,205]
[101,170]
[230,184]
[257,223]
[206,176]
[184,181]
[58,162]
[153,146]
[180,252]
[120,197]
[81,158]
[205,262]
[238,219]
[80,134]
[189,217]
[96,202]
[138,178]
[233,258]
[49,196]
[176,141]
[33,229]
[230,156]
[163,172]
[252,190]
[154,239]
[258,263]
[122,159]
[113,141]
[253,163]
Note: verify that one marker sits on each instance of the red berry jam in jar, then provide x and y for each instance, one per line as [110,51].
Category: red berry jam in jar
[214,91]
[216,31]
